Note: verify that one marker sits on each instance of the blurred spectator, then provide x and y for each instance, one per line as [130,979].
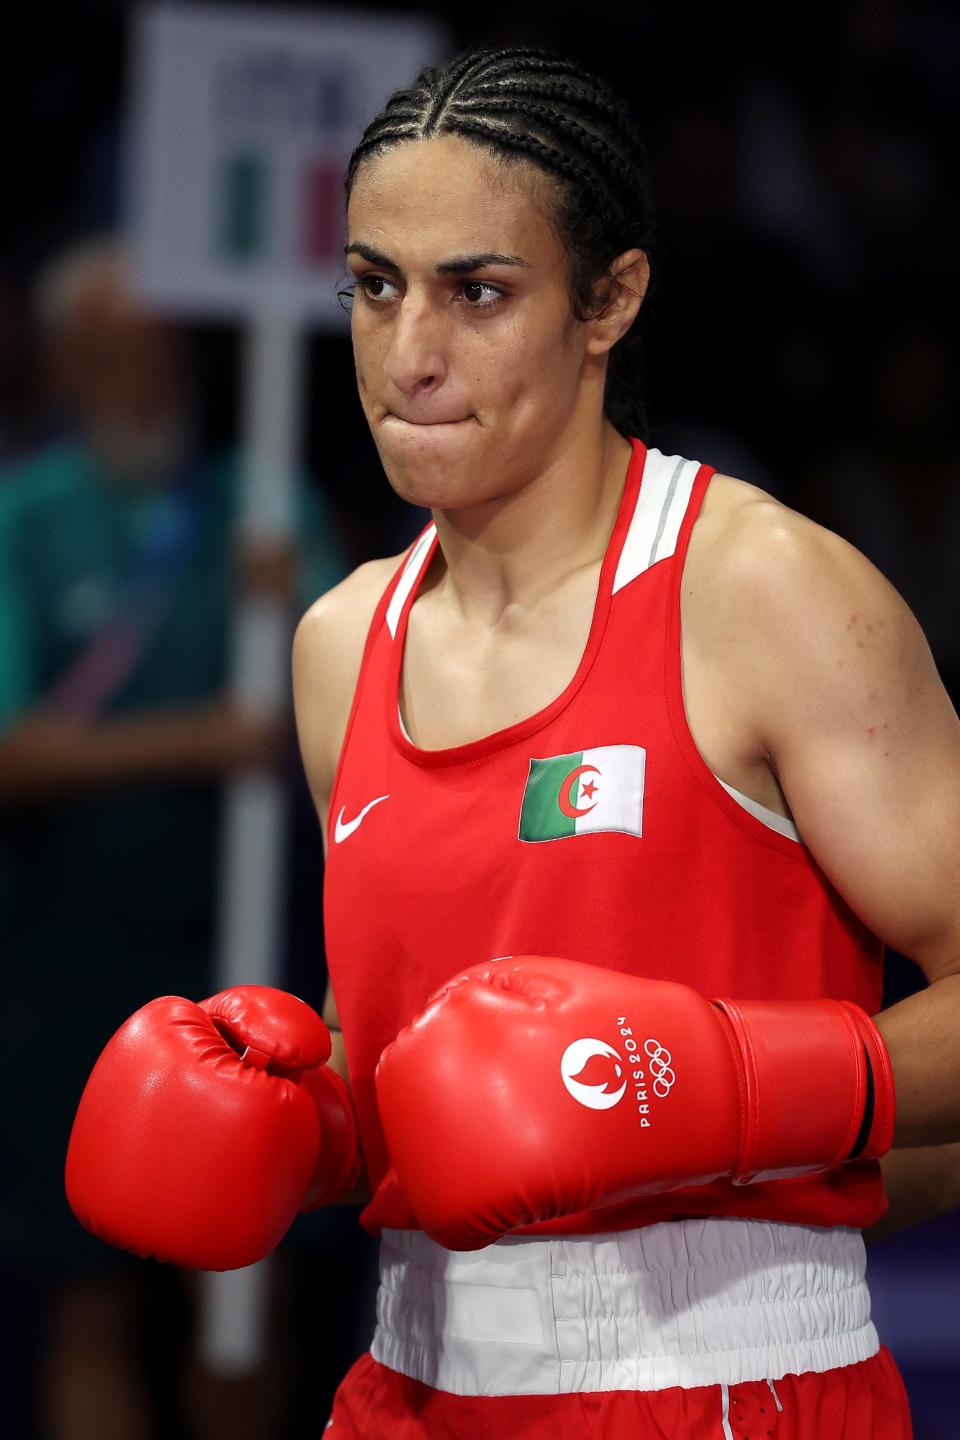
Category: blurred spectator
[118,573]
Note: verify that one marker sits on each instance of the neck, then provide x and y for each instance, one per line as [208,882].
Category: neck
[510,552]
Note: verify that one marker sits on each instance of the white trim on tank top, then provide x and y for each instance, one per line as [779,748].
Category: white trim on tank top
[651,536]
[657,516]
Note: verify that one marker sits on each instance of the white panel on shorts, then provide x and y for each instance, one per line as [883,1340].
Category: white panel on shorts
[709,1301]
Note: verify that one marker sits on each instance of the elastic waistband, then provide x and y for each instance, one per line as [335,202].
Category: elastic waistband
[684,1302]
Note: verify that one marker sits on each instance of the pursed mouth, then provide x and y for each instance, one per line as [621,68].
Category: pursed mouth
[425,424]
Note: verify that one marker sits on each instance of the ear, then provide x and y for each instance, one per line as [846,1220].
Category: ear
[625,284]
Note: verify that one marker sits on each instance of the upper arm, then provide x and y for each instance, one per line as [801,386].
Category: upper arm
[314,704]
[849,707]
[327,650]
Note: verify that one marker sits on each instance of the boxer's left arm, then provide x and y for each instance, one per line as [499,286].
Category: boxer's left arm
[847,703]
[921,1184]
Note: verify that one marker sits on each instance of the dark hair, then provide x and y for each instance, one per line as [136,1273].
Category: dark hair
[533,104]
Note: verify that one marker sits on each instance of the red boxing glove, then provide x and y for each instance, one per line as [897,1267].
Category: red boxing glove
[204,1129]
[533,1087]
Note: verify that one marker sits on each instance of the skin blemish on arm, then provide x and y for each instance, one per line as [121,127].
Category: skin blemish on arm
[870,630]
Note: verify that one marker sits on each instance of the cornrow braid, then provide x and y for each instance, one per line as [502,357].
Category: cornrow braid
[613,111]
[453,78]
[591,145]
[534,105]
[530,146]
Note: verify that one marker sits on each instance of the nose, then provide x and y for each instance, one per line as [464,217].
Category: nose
[416,359]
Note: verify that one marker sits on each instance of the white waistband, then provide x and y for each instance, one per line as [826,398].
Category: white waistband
[684,1302]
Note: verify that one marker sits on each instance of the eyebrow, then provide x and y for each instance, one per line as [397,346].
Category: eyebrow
[456,265]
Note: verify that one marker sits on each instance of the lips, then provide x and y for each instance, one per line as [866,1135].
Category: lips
[426,424]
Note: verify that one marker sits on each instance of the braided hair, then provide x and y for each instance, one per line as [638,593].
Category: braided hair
[535,105]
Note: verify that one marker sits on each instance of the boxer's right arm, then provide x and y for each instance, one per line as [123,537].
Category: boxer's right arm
[327,651]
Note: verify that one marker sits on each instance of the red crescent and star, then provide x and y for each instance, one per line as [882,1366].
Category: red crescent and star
[566,786]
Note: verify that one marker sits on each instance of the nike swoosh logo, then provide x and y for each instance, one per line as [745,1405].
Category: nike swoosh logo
[341,830]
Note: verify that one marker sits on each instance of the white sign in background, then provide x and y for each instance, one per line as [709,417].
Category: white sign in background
[240,126]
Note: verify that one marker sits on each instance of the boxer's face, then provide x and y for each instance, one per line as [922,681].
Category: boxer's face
[467,380]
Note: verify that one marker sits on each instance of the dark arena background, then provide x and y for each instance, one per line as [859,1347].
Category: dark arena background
[802,334]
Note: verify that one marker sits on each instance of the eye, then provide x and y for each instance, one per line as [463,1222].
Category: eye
[366,280]
[482,285]
[472,290]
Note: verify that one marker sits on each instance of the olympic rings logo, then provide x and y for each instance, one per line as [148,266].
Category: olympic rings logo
[661,1062]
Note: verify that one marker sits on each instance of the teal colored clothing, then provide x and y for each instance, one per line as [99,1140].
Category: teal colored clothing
[108,897]
[68,535]
[68,538]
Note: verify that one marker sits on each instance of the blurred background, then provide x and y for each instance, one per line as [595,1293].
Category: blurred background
[802,335]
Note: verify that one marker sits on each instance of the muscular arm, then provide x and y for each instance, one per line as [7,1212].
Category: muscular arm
[922,1183]
[327,649]
[863,738]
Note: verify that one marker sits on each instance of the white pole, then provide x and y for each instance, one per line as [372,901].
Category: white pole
[253,861]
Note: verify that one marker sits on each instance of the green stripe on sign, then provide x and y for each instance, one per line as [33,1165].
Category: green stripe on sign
[540,815]
[242,214]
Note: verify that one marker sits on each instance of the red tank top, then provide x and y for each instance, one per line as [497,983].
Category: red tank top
[440,859]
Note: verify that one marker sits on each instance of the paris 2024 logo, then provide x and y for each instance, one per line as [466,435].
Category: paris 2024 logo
[597,1076]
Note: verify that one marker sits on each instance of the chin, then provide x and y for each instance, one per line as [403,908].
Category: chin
[430,485]
[418,486]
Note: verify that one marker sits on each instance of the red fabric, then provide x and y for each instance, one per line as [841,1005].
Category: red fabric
[435,877]
[866,1401]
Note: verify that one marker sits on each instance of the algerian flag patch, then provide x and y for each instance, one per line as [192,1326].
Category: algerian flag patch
[590,790]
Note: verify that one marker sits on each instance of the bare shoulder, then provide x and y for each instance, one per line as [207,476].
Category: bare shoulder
[339,618]
[794,616]
[732,507]
[755,549]
[327,651]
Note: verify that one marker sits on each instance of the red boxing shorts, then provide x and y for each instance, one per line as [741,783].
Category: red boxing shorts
[715,1327]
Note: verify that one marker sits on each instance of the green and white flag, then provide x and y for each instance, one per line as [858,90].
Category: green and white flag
[590,790]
